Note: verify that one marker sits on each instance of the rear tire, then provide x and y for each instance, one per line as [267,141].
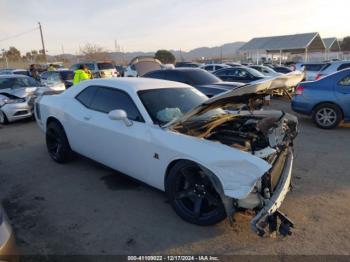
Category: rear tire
[327,116]
[57,143]
[192,195]
[3,118]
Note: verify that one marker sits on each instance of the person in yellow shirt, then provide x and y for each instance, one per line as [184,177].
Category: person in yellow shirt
[81,74]
[51,68]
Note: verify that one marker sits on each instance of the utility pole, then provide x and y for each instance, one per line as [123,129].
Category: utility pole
[4,56]
[220,54]
[42,41]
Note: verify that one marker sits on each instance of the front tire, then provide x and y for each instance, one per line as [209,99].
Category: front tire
[327,116]
[192,195]
[57,143]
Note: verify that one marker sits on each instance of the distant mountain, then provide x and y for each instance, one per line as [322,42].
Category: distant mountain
[226,51]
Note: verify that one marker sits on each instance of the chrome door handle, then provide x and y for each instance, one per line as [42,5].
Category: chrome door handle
[87,117]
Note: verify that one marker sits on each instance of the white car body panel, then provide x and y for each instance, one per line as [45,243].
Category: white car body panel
[132,150]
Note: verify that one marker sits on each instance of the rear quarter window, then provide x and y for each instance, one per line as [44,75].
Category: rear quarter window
[85,96]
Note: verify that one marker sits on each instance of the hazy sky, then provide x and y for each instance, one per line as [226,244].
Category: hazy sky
[148,25]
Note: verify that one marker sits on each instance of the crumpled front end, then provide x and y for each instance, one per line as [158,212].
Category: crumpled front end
[271,190]
[267,191]
[275,186]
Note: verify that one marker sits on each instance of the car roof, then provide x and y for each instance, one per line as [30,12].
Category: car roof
[339,62]
[178,69]
[233,68]
[214,64]
[136,84]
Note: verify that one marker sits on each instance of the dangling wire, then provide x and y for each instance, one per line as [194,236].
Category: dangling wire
[18,35]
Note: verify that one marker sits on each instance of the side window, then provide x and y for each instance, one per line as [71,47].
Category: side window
[86,95]
[108,99]
[343,66]
[345,81]
[241,73]
[209,68]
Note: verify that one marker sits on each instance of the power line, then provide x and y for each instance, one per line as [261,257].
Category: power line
[18,35]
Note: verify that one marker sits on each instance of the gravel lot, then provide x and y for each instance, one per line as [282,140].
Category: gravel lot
[85,208]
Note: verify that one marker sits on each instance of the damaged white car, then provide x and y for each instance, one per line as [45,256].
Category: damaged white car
[212,157]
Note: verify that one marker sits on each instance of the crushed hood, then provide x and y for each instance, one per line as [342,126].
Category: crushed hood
[243,94]
[237,95]
[19,92]
[144,65]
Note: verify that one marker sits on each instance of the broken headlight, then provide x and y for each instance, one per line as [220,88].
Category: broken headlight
[13,100]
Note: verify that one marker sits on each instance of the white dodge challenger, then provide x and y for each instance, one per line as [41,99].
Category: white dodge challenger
[212,157]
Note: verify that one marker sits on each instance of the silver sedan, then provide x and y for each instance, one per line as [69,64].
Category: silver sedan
[17,94]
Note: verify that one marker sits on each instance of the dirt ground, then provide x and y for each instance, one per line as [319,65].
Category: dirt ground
[85,208]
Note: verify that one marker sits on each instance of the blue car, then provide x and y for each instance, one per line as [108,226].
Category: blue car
[327,100]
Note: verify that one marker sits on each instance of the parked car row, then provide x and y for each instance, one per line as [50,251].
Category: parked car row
[204,81]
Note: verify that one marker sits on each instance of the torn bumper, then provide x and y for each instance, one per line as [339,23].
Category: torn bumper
[259,222]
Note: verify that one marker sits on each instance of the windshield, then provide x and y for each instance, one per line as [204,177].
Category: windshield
[67,75]
[167,104]
[104,66]
[201,77]
[19,82]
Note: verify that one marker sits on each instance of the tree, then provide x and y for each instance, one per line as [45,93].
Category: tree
[165,56]
[94,52]
[345,44]
[13,54]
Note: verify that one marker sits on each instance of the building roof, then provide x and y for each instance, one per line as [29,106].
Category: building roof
[286,43]
[332,44]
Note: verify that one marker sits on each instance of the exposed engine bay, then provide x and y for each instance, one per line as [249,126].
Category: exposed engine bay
[245,127]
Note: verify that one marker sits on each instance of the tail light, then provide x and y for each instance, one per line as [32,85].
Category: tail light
[299,91]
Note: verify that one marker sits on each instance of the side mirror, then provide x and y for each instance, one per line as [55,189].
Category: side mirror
[120,114]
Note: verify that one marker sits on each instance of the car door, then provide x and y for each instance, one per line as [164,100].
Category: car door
[111,142]
[342,90]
